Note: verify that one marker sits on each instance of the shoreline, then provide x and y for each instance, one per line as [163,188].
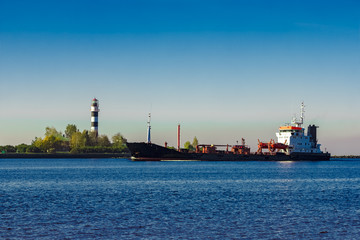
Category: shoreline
[64,155]
[94,155]
[346,156]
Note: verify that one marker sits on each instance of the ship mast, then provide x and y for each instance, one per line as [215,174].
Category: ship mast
[301,121]
[148,130]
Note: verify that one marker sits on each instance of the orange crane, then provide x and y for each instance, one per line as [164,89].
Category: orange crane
[272,146]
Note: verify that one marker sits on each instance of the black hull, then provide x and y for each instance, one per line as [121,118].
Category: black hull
[153,152]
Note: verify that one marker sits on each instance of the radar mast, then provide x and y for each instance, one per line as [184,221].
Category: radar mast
[149,130]
[295,121]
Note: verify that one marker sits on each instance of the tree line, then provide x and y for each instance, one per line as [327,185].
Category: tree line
[191,146]
[72,140]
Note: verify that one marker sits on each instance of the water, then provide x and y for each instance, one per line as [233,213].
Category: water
[120,199]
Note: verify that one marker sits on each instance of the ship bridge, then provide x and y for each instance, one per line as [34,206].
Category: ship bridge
[294,136]
[291,129]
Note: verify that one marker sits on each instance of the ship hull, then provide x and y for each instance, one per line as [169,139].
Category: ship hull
[154,152]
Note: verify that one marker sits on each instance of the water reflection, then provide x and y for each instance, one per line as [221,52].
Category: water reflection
[114,199]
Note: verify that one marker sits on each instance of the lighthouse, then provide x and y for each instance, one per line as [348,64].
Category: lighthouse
[94,116]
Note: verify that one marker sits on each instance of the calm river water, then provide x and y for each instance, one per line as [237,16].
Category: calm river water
[120,199]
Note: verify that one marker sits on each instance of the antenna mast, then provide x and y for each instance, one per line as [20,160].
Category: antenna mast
[302,112]
[301,121]
[149,130]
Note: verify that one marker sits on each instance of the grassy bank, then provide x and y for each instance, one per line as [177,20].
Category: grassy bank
[346,156]
[65,155]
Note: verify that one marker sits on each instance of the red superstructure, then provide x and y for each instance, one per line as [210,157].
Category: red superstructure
[272,147]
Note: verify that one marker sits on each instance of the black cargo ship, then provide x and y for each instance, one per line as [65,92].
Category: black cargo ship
[152,152]
[292,145]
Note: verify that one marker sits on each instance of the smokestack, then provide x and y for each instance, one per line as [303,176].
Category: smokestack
[312,134]
[178,137]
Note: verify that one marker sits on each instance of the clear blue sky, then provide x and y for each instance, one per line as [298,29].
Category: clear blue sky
[222,69]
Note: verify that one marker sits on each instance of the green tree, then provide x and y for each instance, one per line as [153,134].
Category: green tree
[51,131]
[118,140]
[10,148]
[7,149]
[32,149]
[38,143]
[195,142]
[51,143]
[77,140]
[86,137]
[93,139]
[103,141]
[188,146]
[21,148]
[70,129]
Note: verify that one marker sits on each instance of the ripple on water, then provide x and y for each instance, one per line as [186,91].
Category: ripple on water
[198,200]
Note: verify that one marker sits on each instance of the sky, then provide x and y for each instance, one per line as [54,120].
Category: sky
[224,70]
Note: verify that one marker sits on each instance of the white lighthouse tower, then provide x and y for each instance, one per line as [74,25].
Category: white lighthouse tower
[94,115]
